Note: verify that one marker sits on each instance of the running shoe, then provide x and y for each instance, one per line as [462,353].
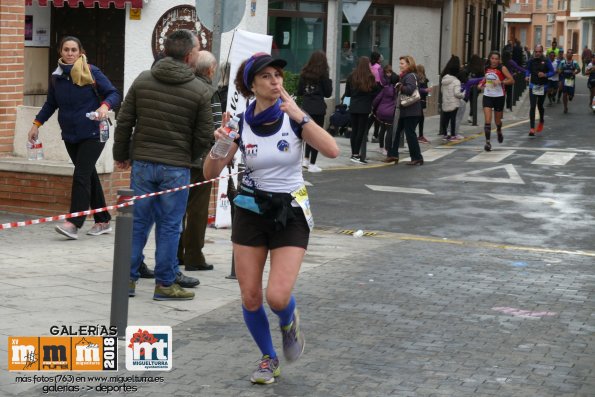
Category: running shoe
[314,168]
[354,159]
[532,132]
[268,369]
[423,139]
[171,293]
[500,137]
[99,228]
[488,146]
[293,340]
[305,163]
[539,127]
[132,288]
[456,138]
[68,229]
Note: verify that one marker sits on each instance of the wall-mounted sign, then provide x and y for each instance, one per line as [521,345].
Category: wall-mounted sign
[180,17]
[134,14]
[37,26]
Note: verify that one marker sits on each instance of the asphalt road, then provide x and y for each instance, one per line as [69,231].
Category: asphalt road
[527,191]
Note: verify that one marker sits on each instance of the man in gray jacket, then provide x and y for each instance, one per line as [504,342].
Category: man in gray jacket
[169,110]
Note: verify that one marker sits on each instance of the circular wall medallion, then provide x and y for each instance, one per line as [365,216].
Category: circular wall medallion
[179,17]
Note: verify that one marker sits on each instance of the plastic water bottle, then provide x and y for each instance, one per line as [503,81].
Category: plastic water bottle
[39,149]
[223,145]
[103,126]
[35,150]
[31,151]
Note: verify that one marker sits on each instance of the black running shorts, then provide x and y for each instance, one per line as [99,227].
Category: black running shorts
[254,230]
[496,103]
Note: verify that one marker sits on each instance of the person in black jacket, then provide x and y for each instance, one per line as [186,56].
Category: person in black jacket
[538,71]
[314,85]
[361,87]
[76,88]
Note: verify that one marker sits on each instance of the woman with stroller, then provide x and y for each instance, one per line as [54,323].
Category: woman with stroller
[383,107]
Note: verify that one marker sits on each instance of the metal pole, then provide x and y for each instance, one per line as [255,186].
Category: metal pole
[474,95]
[121,267]
[338,52]
[216,41]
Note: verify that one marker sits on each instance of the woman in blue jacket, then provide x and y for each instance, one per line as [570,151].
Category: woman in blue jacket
[75,89]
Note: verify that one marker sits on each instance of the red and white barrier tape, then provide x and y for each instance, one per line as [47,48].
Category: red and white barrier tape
[109,208]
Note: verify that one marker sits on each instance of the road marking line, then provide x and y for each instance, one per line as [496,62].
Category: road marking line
[475,176]
[491,157]
[397,189]
[434,154]
[554,158]
[481,134]
[525,199]
[466,243]
[537,149]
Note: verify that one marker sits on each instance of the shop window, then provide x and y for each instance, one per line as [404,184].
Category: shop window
[298,29]
[374,33]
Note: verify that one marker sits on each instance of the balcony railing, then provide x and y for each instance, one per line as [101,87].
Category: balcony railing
[585,5]
[521,8]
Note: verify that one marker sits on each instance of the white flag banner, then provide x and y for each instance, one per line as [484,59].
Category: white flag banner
[244,44]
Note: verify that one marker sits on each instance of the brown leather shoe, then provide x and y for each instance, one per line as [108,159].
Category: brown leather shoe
[391,160]
[416,162]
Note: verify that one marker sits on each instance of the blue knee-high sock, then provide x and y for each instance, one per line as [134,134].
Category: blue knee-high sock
[258,325]
[286,315]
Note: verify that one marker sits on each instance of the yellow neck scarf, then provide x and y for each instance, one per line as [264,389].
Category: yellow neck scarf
[81,72]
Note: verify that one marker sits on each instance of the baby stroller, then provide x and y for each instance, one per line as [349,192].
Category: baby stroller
[339,121]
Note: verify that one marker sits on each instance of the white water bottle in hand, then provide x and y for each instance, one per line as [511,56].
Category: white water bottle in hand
[221,148]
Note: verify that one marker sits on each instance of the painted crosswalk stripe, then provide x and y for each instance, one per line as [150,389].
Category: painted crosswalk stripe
[435,154]
[554,158]
[397,189]
[525,199]
[491,157]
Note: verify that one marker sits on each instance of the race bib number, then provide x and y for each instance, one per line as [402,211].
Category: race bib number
[538,90]
[301,197]
[569,82]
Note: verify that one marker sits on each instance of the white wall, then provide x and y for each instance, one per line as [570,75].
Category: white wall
[417,33]
[138,55]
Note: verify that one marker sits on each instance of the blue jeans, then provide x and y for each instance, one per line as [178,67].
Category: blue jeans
[165,210]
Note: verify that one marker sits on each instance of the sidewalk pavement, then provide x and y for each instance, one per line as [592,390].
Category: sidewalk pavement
[49,280]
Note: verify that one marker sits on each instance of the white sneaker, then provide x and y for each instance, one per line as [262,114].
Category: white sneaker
[314,168]
[305,163]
